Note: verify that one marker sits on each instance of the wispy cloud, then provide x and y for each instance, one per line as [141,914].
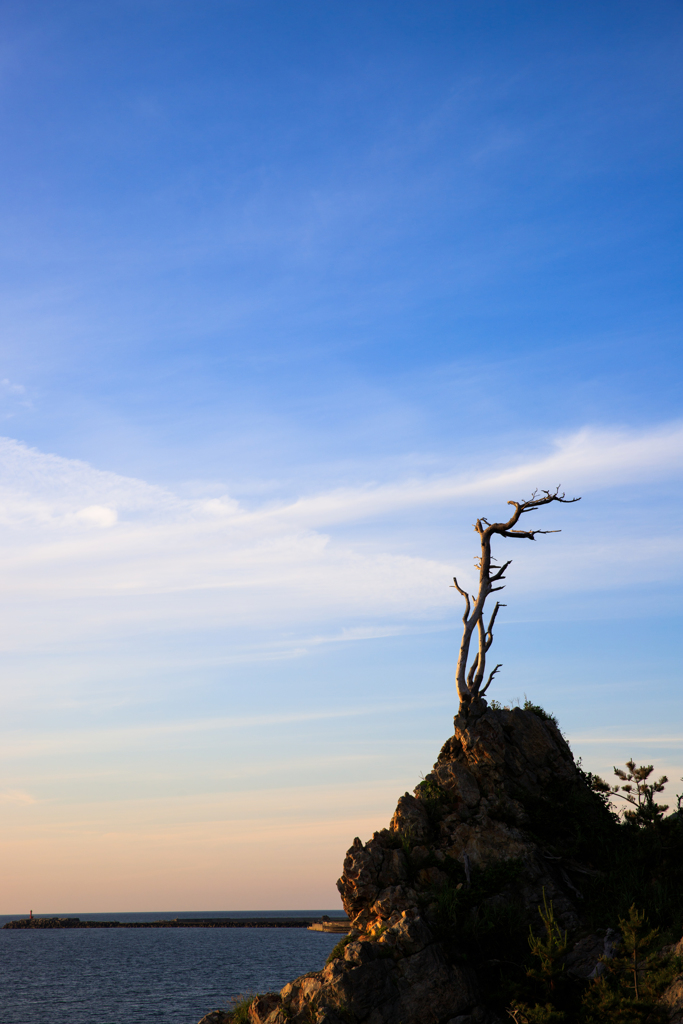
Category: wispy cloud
[591,458]
[52,487]
[12,398]
[604,739]
[46,743]
[91,550]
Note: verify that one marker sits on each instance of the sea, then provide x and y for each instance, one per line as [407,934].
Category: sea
[146,975]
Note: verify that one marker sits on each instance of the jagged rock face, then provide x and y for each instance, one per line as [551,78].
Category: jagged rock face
[510,750]
[672,998]
[369,986]
[490,761]
[468,815]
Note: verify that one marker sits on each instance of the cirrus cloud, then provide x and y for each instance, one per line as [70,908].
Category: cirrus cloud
[88,550]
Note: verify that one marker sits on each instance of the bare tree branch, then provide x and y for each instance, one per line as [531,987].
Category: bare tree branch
[528,534]
[473,669]
[489,631]
[501,569]
[469,683]
[466,596]
[488,681]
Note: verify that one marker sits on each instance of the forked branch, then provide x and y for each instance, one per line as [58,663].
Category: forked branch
[469,683]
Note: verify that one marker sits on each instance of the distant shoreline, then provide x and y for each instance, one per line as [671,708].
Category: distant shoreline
[313,923]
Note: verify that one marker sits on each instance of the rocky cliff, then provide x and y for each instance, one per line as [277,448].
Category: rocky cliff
[504,818]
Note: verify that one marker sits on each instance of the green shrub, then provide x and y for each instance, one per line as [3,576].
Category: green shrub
[549,948]
[522,1013]
[540,712]
[428,789]
[633,979]
[338,950]
[433,797]
[640,794]
[239,1009]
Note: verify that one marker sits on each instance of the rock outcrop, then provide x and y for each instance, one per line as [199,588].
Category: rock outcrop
[672,997]
[464,845]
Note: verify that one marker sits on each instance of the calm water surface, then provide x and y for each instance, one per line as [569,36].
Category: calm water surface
[141,975]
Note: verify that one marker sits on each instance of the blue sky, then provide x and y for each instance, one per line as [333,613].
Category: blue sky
[291,293]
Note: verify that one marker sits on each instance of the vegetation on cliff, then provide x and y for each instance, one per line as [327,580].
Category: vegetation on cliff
[627,877]
[506,887]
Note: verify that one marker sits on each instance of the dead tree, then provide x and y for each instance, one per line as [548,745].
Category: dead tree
[469,683]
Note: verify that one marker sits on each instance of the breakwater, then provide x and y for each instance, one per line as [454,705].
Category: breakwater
[185,922]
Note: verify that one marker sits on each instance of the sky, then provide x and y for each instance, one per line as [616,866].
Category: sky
[290,294]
